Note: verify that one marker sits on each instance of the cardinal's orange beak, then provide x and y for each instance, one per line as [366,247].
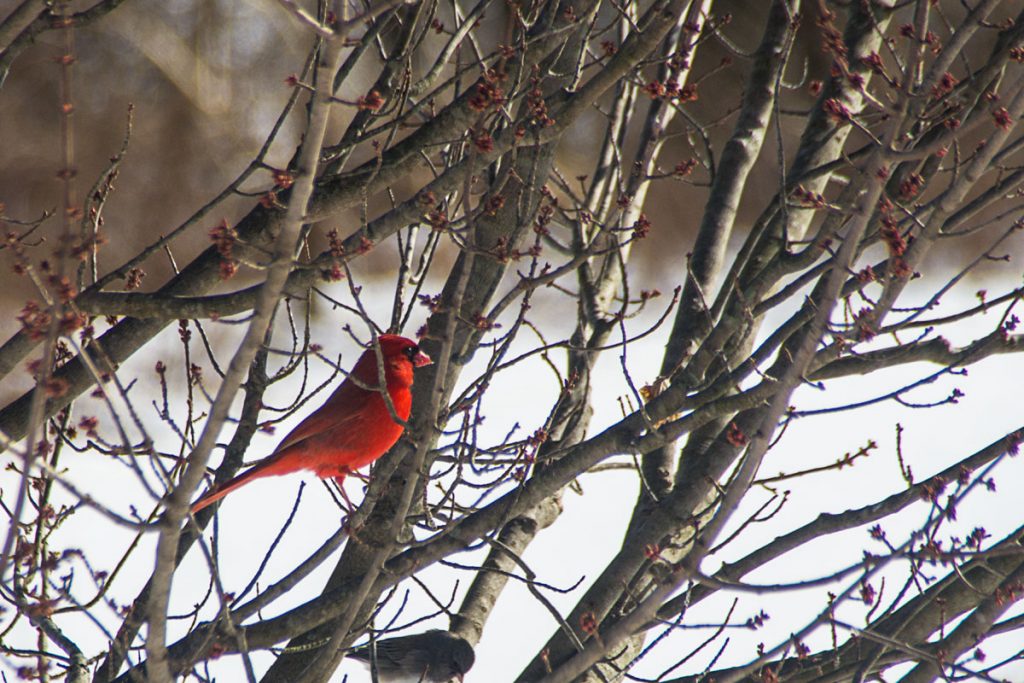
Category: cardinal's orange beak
[421,359]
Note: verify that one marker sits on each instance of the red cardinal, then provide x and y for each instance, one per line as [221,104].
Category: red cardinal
[351,429]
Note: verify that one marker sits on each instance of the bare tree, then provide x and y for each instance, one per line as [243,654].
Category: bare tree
[859,147]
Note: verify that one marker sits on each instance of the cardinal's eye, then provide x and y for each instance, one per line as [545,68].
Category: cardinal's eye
[411,352]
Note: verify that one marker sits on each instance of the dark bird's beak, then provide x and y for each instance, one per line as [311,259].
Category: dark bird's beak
[421,359]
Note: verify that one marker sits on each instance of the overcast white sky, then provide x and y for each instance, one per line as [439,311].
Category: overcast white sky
[592,525]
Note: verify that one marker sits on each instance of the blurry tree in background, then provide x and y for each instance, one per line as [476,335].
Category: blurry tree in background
[502,168]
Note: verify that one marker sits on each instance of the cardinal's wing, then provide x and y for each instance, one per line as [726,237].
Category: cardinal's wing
[344,413]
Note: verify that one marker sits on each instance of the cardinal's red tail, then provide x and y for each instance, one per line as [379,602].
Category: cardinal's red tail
[264,469]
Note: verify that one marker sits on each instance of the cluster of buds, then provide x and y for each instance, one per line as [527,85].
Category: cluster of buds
[80,248]
[365,245]
[684,168]
[438,219]
[539,436]
[588,623]
[911,186]
[431,302]
[334,243]
[672,91]
[866,325]
[873,62]
[283,178]
[809,197]
[895,242]
[371,101]
[537,106]
[133,278]
[641,227]
[13,242]
[90,425]
[735,436]
[1002,118]
[35,320]
[1008,594]
[867,274]
[483,141]
[545,213]
[930,38]
[483,323]
[833,42]
[976,537]
[501,250]
[932,490]
[836,110]
[758,620]
[184,334]
[489,92]
[944,86]
[493,204]
[224,237]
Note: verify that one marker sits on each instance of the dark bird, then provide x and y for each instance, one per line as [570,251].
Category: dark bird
[430,657]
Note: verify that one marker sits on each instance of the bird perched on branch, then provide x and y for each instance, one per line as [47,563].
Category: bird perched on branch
[351,429]
[431,657]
